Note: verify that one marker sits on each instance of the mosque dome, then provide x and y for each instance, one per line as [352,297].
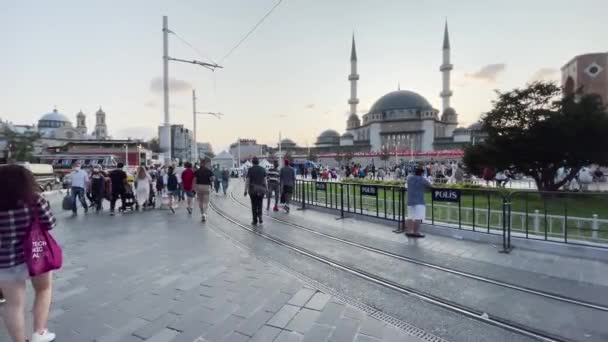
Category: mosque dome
[400,99]
[328,137]
[477,126]
[288,143]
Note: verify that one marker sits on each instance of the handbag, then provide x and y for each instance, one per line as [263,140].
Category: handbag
[42,253]
[68,202]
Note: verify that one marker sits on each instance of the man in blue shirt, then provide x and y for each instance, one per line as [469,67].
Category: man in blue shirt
[417,184]
[79,179]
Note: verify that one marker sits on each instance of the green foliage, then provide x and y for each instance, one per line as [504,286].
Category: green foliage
[20,146]
[535,131]
[153,145]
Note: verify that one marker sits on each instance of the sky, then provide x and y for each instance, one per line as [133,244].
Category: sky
[291,75]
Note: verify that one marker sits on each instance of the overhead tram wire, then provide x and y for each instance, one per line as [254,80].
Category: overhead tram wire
[183,40]
[251,30]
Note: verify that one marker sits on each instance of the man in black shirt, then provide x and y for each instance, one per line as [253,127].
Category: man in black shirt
[256,186]
[118,178]
[204,178]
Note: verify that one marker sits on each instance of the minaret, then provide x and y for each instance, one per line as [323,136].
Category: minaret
[445,69]
[101,130]
[353,119]
[81,123]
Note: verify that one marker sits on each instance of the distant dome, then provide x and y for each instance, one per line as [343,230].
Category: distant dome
[287,141]
[329,133]
[400,99]
[55,116]
[477,126]
[53,120]
[328,138]
[449,111]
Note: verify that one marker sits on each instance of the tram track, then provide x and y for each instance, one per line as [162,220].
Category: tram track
[545,294]
[407,290]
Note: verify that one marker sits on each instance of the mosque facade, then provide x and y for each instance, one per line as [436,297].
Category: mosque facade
[57,126]
[400,120]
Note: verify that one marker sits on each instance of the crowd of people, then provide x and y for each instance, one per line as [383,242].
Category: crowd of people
[260,182]
[173,184]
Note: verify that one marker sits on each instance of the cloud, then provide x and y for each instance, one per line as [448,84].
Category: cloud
[488,73]
[545,74]
[175,85]
[310,106]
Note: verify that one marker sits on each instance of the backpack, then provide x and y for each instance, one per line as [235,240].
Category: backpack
[172,182]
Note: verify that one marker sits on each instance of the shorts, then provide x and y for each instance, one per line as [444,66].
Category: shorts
[416,212]
[190,193]
[15,273]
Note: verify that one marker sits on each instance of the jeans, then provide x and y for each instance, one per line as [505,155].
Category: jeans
[257,202]
[78,192]
[287,191]
[116,193]
[225,187]
[273,187]
[216,186]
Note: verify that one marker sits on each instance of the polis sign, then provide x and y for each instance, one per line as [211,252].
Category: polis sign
[446,195]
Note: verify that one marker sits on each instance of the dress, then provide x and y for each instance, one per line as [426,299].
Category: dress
[143,190]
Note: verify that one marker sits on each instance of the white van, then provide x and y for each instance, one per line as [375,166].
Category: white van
[44,174]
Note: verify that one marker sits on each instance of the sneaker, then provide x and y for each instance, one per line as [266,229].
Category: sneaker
[275,208]
[287,209]
[261,221]
[111,213]
[189,211]
[45,336]
[172,210]
[254,223]
[204,218]
[2,300]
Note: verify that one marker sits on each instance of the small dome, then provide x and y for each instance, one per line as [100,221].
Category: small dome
[287,141]
[401,99]
[330,133]
[100,111]
[477,126]
[328,138]
[80,113]
[55,116]
[449,111]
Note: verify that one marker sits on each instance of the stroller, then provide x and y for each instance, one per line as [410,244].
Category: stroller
[129,202]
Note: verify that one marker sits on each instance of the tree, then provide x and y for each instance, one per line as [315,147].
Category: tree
[385,155]
[535,131]
[20,146]
[153,145]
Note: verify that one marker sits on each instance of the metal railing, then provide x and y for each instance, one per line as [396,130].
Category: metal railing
[566,217]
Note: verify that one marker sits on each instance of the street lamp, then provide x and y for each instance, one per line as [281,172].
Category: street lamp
[126,156]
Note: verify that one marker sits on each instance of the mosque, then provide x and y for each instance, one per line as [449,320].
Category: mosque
[55,125]
[400,120]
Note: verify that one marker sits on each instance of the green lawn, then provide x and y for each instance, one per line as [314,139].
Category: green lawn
[530,211]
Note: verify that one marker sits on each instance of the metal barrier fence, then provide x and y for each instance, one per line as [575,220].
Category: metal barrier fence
[566,217]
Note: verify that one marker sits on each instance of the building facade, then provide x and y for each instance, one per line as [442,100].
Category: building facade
[245,149]
[181,143]
[587,73]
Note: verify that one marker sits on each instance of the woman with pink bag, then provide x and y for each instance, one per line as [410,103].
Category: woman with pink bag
[23,210]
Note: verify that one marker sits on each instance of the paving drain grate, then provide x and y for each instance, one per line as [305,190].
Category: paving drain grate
[379,315]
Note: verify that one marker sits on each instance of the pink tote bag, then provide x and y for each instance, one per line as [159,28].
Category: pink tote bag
[42,253]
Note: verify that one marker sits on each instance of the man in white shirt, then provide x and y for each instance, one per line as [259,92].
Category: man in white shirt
[80,180]
[178,174]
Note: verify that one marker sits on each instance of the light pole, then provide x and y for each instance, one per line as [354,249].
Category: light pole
[127,157]
[194,113]
[139,155]
[165,132]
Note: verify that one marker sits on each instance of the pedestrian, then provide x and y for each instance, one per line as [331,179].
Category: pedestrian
[225,180]
[458,173]
[204,179]
[373,171]
[381,174]
[314,174]
[274,186]
[416,208]
[118,179]
[217,178]
[188,184]
[142,186]
[178,174]
[19,204]
[288,181]
[172,187]
[97,188]
[80,180]
[256,186]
